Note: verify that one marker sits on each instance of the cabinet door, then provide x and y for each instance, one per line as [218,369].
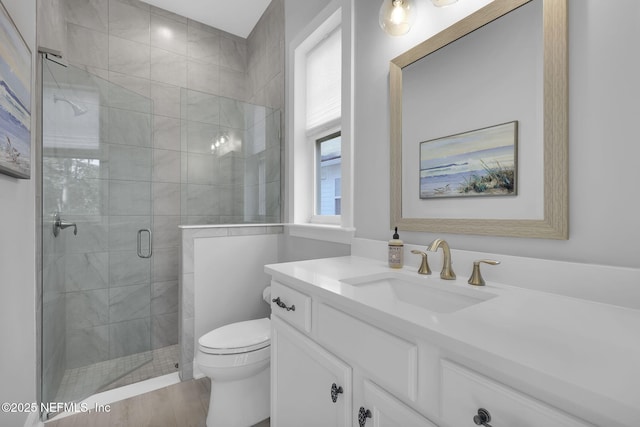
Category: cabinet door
[380,409]
[303,375]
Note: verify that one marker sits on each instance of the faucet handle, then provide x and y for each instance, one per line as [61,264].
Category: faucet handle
[476,278]
[424,265]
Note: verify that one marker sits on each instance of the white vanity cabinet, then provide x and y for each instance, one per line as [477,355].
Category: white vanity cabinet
[322,351]
[468,395]
[309,386]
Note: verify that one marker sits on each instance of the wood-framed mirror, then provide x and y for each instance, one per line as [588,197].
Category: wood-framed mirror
[540,208]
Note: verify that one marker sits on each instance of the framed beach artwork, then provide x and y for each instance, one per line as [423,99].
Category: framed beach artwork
[15,100]
[478,163]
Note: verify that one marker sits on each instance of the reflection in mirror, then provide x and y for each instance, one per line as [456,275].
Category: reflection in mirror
[472,76]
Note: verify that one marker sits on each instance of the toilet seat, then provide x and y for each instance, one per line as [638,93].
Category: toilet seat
[237,338]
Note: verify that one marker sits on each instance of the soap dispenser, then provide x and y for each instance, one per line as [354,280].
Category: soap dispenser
[396,251]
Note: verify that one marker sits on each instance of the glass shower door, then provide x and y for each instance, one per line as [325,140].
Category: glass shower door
[96,236]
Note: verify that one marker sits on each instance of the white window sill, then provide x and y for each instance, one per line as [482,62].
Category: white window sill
[328,233]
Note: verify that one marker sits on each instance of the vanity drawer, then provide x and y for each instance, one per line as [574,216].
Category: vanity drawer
[464,392]
[291,305]
[390,361]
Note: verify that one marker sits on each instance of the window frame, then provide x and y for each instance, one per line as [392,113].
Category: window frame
[300,160]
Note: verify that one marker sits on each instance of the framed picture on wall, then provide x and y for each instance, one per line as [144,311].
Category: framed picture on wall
[15,100]
[476,163]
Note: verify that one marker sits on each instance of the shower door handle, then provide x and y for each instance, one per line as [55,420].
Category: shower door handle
[140,254]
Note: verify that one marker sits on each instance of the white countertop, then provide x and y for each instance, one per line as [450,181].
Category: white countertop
[584,354]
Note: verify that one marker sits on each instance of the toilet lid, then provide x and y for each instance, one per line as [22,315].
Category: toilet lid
[240,337]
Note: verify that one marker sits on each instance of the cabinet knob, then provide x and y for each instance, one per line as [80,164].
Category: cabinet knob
[283,305]
[335,391]
[483,418]
[363,414]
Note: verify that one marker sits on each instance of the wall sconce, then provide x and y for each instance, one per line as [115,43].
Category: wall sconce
[396,17]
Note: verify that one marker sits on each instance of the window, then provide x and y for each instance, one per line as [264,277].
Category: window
[320,127]
[323,113]
[328,175]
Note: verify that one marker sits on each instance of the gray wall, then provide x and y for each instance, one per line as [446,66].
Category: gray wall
[17,262]
[603,90]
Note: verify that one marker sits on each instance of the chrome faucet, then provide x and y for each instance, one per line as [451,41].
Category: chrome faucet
[447,272]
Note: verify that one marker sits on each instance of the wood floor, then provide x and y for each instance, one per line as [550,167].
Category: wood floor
[180,405]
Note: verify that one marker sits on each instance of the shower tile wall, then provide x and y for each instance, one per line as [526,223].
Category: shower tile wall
[156,53]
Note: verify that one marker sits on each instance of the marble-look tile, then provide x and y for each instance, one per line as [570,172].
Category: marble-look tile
[87,346]
[129,57]
[273,130]
[233,53]
[130,93]
[93,14]
[130,337]
[164,298]
[187,345]
[166,233]
[87,47]
[166,166]
[92,234]
[273,199]
[275,60]
[123,231]
[203,43]
[86,309]
[130,163]
[200,136]
[130,198]
[231,170]
[232,113]
[129,302]
[202,169]
[231,201]
[274,92]
[85,271]
[168,34]
[188,302]
[233,83]
[165,264]
[129,127]
[166,133]
[126,268]
[129,21]
[202,200]
[168,67]
[272,164]
[203,76]
[166,99]
[203,107]
[165,13]
[165,330]
[166,198]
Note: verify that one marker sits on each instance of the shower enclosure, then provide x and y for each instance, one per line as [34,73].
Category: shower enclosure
[109,285]
[96,236]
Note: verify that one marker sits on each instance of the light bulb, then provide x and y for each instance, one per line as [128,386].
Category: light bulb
[397,16]
[441,3]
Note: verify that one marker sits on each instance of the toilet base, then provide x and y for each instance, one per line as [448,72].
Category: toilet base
[240,403]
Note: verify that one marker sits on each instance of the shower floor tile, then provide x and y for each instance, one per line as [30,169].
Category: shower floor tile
[79,383]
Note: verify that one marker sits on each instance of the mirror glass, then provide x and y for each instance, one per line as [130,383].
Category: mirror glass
[488,69]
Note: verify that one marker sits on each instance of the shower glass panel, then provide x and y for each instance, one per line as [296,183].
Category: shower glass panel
[231,155]
[96,285]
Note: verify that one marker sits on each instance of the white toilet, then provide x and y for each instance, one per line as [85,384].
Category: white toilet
[236,359]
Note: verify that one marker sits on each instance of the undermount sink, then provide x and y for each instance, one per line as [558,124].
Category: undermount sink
[393,292]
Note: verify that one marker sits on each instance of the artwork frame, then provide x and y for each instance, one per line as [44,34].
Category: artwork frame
[476,163]
[15,99]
